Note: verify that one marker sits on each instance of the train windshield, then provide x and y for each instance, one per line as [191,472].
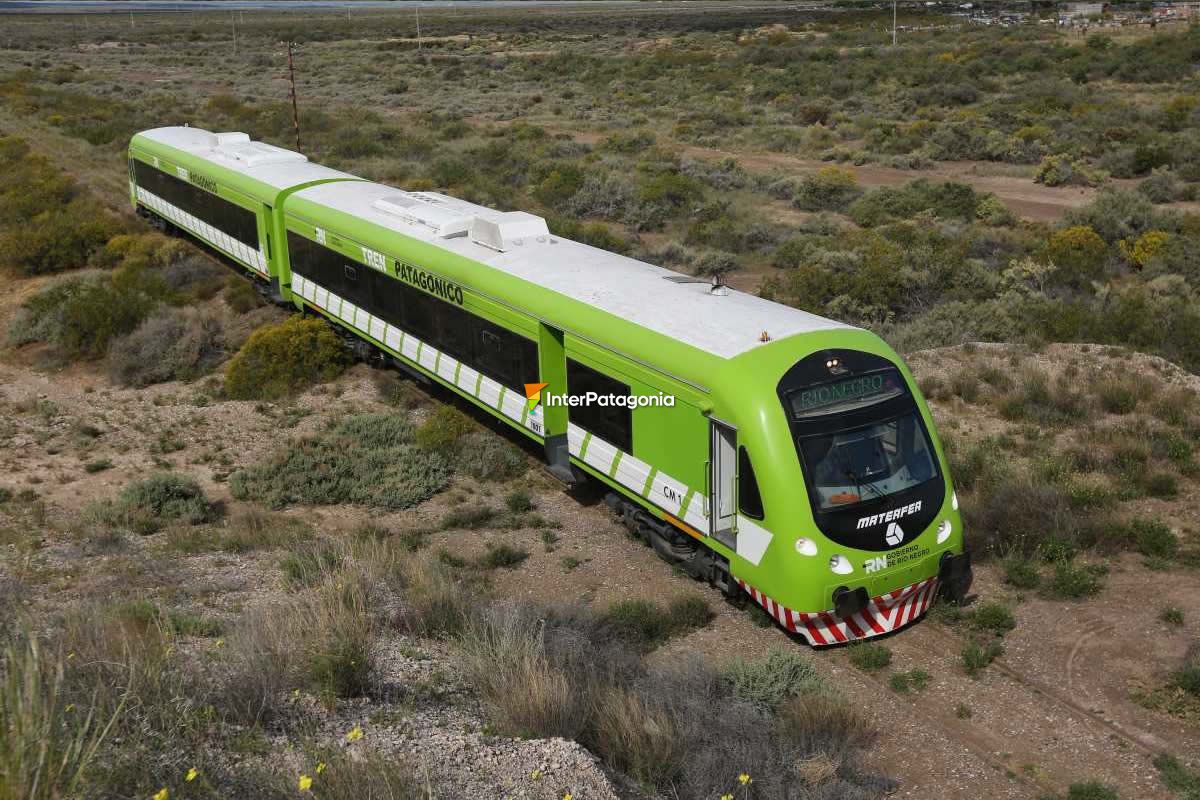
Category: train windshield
[869,462]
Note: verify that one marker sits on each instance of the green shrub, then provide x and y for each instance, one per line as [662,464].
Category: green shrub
[1172,616]
[994,617]
[487,456]
[870,656]
[1177,777]
[768,681]
[502,555]
[519,502]
[649,624]
[828,189]
[1021,573]
[1153,538]
[47,749]
[1091,790]
[1118,396]
[281,360]
[468,517]
[1161,484]
[905,682]
[1071,580]
[442,430]
[81,314]
[172,344]
[366,458]
[147,505]
[308,566]
[976,656]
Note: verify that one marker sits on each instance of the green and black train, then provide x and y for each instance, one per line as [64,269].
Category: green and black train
[762,448]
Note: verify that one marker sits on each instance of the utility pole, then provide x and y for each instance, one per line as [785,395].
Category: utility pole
[418,27]
[292,81]
[233,22]
[893,23]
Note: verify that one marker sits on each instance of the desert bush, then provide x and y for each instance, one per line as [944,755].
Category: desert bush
[1153,538]
[884,204]
[1021,572]
[870,656]
[489,457]
[81,315]
[172,344]
[1062,170]
[1072,580]
[47,222]
[1038,399]
[649,624]
[1118,395]
[281,360]
[768,681]
[828,189]
[502,555]
[994,617]
[48,746]
[1118,214]
[146,506]
[321,639]
[365,458]
[435,600]
[1079,253]
[441,431]
[976,656]
[547,674]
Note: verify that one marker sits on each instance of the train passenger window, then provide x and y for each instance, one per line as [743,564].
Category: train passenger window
[610,422]
[749,499]
[232,219]
[497,352]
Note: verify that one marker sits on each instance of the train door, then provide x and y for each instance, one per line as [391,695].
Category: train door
[722,481]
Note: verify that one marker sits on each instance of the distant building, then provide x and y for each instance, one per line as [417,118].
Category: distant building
[1076,10]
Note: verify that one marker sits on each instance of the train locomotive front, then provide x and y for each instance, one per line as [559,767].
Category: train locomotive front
[854,492]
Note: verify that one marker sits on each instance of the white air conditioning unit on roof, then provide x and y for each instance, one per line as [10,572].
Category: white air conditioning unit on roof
[507,230]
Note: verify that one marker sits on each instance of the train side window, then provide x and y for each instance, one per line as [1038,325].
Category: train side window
[749,499]
[232,219]
[612,423]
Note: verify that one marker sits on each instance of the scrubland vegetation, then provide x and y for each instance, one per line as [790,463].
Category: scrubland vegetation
[802,161]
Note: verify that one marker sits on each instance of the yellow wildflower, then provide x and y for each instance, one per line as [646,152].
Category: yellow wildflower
[355,734]
[70,656]
[726,796]
[568,796]
[535,775]
[191,776]
[743,779]
[295,692]
[70,707]
[320,767]
[219,643]
[305,783]
[162,794]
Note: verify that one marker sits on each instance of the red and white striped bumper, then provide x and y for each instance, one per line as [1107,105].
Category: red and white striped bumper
[883,614]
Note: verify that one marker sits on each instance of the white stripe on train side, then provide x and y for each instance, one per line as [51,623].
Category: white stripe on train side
[228,245]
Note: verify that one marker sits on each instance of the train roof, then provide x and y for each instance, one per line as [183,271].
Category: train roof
[724,324]
[277,167]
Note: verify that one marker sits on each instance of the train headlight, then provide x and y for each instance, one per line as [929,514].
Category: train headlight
[944,530]
[954,500]
[806,547]
[841,565]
